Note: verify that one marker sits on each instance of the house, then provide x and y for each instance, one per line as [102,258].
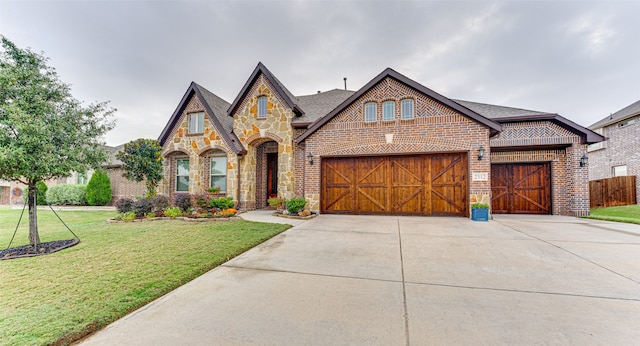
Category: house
[619,154]
[11,192]
[392,147]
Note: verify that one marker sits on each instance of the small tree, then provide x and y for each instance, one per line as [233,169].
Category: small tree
[99,188]
[142,159]
[44,131]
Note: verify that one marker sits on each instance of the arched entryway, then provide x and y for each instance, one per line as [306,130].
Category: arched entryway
[266,172]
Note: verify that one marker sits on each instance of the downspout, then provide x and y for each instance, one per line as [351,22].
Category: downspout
[238,177]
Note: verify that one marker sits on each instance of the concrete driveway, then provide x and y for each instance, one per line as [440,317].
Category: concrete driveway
[371,280]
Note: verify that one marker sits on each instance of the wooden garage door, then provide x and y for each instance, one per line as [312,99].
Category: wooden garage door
[396,185]
[521,188]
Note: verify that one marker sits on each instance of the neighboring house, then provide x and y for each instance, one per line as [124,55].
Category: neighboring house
[11,192]
[392,147]
[619,154]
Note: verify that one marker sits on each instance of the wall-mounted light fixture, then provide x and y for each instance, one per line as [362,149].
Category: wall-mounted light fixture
[584,160]
[480,153]
[310,158]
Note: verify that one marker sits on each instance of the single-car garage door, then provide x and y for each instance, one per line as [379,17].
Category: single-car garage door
[521,188]
[434,184]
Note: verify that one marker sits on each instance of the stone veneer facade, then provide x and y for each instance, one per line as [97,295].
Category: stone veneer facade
[435,128]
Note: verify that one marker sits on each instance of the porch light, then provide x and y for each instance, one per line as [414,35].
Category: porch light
[583,160]
[480,153]
[310,158]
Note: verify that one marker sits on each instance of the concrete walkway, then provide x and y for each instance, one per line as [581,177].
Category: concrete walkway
[370,280]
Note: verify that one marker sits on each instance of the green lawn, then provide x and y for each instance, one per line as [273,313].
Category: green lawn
[115,269]
[625,213]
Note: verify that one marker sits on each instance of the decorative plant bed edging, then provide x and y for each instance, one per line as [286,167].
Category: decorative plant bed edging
[297,217]
[182,218]
[43,249]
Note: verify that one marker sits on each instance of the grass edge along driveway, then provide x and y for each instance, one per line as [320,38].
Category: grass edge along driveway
[625,213]
[116,268]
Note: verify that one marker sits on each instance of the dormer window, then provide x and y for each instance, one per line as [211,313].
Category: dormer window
[388,111]
[407,109]
[262,107]
[196,122]
[370,110]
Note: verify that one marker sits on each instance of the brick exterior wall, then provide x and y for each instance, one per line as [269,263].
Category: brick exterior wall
[435,128]
[622,147]
[569,181]
[121,187]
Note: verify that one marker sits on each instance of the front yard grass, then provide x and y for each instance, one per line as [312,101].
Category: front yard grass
[116,268]
[625,213]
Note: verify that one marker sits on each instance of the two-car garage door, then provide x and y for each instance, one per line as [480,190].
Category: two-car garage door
[434,184]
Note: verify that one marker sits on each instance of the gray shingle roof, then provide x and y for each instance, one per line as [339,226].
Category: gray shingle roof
[219,108]
[626,112]
[497,112]
[316,106]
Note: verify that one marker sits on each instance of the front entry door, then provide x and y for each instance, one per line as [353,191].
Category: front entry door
[272,175]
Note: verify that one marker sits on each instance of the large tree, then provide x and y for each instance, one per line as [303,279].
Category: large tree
[142,160]
[44,131]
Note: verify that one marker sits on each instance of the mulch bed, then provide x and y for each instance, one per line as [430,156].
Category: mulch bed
[42,249]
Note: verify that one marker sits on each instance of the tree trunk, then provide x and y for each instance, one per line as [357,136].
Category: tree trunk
[34,237]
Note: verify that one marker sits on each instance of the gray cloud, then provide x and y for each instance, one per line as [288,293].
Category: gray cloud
[578,59]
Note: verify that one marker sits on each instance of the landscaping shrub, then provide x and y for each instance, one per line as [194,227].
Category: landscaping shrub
[160,202]
[173,212]
[222,203]
[128,216]
[142,206]
[200,201]
[124,205]
[67,194]
[296,204]
[183,201]
[99,188]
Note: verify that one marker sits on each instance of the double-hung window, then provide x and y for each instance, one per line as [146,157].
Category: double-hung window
[407,109]
[388,111]
[262,107]
[196,122]
[182,175]
[218,171]
[370,110]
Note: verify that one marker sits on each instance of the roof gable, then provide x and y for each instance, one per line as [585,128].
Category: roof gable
[390,73]
[280,89]
[215,108]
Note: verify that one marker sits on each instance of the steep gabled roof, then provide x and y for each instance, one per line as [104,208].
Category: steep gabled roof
[627,112]
[390,73]
[215,107]
[502,114]
[285,94]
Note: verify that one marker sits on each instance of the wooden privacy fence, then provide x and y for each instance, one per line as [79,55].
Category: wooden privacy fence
[612,192]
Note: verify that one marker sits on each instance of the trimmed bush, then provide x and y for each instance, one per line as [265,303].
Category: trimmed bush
[200,201]
[99,188]
[160,203]
[67,194]
[221,203]
[124,205]
[142,206]
[295,205]
[183,201]
[172,212]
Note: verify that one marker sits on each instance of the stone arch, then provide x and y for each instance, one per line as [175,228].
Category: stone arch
[213,147]
[257,139]
[173,152]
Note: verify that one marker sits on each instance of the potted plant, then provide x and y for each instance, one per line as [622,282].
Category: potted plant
[479,212]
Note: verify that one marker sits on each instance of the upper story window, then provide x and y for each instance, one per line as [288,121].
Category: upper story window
[262,107]
[407,109]
[218,171]
[370,112]
[196,122]
[182,175]
[619,171]
[388,110]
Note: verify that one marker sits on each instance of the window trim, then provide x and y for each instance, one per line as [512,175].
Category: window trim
[402,108]
[211,175]
[384,110]
[262,107]
[626,170]
[375,112]
[177,175]
[199,121]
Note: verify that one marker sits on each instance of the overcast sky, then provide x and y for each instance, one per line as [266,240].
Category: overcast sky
[580,59]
